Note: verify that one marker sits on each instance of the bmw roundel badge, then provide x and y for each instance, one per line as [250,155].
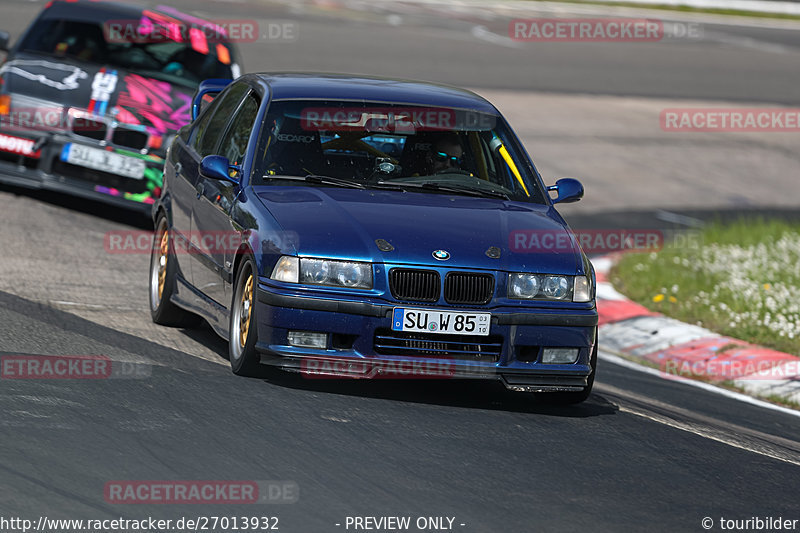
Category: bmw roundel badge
[441,255]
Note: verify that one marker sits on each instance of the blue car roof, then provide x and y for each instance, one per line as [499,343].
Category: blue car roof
[312,86]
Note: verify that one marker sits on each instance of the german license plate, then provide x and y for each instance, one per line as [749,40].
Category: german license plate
[446,322]
[104,160]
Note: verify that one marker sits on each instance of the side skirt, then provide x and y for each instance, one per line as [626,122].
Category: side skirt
[189,298]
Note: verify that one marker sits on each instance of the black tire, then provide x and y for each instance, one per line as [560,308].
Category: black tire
[571,398]
[162,310]
[243,357]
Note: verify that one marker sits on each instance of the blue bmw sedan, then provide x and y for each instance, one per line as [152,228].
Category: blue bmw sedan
[344,226]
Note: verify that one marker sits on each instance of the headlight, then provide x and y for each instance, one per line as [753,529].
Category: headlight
[523,285]
[555,287]
[540,286]
[353,275]
[315,271]
[348,274]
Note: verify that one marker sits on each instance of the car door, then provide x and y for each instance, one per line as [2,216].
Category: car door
[181,177]
[211,224]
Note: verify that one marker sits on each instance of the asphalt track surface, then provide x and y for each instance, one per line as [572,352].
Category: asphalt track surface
[643,453]
[723,63]
[472,49]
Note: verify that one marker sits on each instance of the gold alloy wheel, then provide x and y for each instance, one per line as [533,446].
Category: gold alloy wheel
[246,308]
[162,262]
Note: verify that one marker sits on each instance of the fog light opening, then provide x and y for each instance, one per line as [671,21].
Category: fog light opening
[560,355]
[308,339]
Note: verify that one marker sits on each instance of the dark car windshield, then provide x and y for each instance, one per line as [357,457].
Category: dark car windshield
[414,148]
[185,62]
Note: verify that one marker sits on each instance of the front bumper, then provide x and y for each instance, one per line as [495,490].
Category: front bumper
[46,171]
[357,330]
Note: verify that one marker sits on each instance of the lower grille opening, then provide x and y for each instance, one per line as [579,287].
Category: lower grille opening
[528,354]
[98,177]
[463,347]
[136,140]
[340,341]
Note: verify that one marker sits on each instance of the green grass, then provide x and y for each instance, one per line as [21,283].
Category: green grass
[684,9]
[740,280]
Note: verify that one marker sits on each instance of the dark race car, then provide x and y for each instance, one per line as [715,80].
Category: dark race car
[364,227]
[93,92]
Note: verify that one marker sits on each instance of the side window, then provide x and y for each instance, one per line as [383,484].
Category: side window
[224,106]
[234,142]
[202,125]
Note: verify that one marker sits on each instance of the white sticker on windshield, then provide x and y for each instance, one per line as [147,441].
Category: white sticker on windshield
[67,83]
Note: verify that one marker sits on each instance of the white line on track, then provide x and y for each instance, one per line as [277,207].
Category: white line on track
[77,304]
[675,218]
[715,435]
[743,438]
[484,34]
[747,42]
[611,358]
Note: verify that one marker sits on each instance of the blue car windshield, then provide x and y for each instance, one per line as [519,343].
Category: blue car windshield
[376,144]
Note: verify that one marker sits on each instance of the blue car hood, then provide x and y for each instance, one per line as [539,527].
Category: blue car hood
[345,223]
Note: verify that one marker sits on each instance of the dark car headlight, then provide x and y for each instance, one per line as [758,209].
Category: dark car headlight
[348,274]
[524,286]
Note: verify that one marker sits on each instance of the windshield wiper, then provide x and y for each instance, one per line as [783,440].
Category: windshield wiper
[433,186]
[474,191]
[315,178]
[386,186]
